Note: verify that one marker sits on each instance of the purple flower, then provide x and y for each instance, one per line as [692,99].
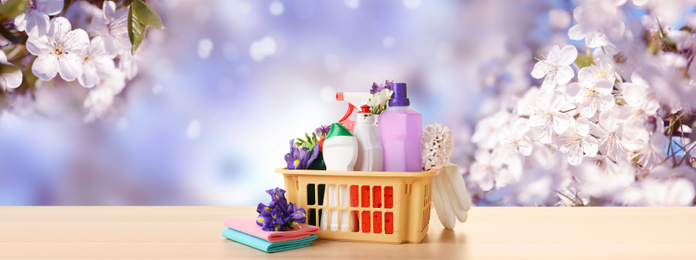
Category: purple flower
[279,215]
[300,215]
[300,158]
[277,198]
[377,88]
[323,130]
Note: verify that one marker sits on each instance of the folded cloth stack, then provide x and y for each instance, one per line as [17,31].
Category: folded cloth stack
[245,230]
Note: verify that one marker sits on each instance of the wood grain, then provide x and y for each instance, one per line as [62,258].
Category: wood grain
[490,233]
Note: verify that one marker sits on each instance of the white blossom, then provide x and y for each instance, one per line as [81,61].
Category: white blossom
[12,79]
[542,172]
[556,67]
[380,99]
[128,63]
[656,192]
[592,92]
[515,139]
[113,27]
[58,51]
[100,98]
[648,147]
[640,101]
[684,40]
[600,177]
[488,130]
[96,63]
[577,142]
[609,130]
[490,172]
[596,19]
[35,21]
[547,117]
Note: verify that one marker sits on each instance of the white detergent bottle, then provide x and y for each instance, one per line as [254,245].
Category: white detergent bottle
[340,149]
[340,153]
[369,148]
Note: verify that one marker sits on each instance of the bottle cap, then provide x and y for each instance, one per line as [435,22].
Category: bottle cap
[338,130]
[399,97]
[364,109]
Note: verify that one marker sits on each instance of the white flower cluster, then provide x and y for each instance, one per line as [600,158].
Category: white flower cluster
[86,54]
[378,101]
[618,135]
[436,146]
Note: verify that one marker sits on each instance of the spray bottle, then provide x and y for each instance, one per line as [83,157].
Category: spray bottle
[369,148]
[354,99]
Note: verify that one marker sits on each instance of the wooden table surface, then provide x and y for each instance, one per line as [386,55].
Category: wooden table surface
[490,233]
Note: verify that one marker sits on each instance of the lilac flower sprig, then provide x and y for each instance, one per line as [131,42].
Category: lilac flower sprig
[378,88]
[279,215]
[300,157]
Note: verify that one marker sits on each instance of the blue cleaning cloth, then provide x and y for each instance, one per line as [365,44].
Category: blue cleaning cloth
[264,245]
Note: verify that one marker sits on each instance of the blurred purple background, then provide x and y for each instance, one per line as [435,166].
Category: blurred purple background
[229,82]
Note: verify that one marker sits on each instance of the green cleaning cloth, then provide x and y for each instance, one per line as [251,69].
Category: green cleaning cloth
[264,245]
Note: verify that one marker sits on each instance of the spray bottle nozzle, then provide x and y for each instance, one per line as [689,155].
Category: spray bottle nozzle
[354,99]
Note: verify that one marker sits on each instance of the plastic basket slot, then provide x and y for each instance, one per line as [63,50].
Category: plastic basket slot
[311,194]
[376,196]
[312,218]
[389,222]
[377,219]
[365,222]
[365,192]
[388,197]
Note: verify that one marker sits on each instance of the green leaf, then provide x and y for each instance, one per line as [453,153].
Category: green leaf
[146,14]
[584,60]
[136,30]
[13,8]
[7,68]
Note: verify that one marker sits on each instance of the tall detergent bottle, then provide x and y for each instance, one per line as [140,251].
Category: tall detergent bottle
[340,154]
[369,148]
[400,129]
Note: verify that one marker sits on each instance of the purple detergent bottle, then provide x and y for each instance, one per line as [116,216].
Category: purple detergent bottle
[400,129]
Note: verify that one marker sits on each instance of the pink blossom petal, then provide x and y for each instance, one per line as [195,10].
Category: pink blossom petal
[540,70]
[564,75]
[45,67]
[568,55]
[576,33]
[11,80]
[561,122]
[21,22]
[59,28]
[38,46]
[76,42]
[70,67]
[554,55]
[549,83]
[89,76]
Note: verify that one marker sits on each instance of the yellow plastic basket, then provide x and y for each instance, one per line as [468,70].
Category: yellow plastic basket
[385,207]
